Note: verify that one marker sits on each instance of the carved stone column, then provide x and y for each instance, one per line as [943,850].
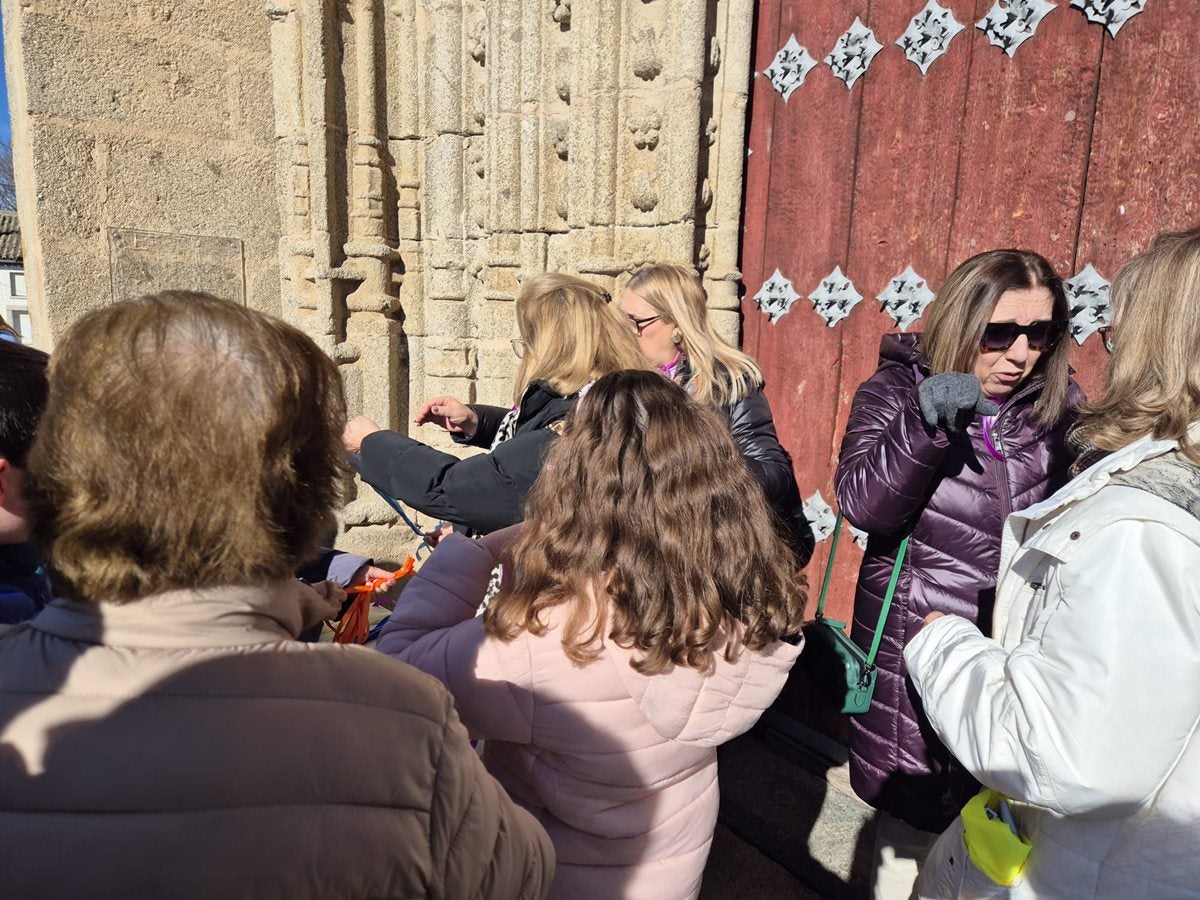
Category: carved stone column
[434,153]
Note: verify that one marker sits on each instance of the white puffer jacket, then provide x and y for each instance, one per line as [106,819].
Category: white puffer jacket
[1086,705]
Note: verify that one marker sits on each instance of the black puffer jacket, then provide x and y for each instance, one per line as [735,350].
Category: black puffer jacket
[753,429]
[481,493]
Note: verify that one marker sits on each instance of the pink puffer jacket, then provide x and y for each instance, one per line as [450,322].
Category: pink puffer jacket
[620,768]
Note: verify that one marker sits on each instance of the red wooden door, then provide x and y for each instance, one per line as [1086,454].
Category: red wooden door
[1079,145]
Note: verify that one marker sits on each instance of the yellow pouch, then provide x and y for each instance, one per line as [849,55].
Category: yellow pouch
[993,847]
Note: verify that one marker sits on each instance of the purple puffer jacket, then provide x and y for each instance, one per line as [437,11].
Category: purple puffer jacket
[896,475]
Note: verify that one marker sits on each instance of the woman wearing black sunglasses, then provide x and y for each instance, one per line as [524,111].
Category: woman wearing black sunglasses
[959,427]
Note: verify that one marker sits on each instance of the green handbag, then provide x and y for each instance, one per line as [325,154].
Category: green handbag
[852,674]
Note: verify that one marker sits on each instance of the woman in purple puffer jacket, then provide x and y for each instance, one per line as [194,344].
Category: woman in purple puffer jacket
[959,427]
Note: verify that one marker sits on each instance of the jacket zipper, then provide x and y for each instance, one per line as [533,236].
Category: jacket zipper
[1005,488]
[998,441]
[997,438]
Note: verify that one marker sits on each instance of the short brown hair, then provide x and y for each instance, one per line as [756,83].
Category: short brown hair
[960,312]
[572,334]
[23,391]
[1154,376]
[645,504]
[188,442]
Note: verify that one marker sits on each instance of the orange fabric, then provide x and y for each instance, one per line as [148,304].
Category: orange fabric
[355,624]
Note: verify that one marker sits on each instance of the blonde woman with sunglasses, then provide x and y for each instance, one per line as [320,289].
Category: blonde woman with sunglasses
[667,309]
[570,335]
[959,427]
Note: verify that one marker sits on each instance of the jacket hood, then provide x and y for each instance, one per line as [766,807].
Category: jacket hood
[902,348]
[542,404]
[205,617]
[707,709]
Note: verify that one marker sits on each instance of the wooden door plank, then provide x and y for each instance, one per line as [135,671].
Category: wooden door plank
[1025,138]
[806,231]
[903,203]
[759,133]
[1144,174]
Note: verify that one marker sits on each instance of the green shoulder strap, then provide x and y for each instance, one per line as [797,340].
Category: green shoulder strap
[887,598]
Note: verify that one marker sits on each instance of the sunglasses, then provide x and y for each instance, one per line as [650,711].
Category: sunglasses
[999,336]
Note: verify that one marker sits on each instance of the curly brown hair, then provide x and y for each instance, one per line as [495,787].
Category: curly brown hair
[188,442]
[648,525]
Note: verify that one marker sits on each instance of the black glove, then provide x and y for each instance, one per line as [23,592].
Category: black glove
[952,399]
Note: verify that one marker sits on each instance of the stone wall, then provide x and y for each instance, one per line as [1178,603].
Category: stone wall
[144,151]
[392,169]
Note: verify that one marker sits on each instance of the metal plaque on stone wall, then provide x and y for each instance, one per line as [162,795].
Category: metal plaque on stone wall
[145,262]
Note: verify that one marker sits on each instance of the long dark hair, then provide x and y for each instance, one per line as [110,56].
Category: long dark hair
[647,525]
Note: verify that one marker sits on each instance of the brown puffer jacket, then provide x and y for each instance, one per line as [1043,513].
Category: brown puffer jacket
[896,475]
[185,746]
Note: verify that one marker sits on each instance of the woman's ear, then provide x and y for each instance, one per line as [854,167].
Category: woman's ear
[7,472]
[14,516]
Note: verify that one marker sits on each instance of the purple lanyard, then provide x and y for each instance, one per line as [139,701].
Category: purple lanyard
[988,422]
[668,369]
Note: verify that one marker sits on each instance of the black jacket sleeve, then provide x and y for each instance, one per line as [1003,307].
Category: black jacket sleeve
[754,433]
[482,493]
[485,431]
[753,429]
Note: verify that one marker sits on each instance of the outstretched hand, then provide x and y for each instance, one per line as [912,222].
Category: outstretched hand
[322,603]
[450,414]
[356,430]
[951,400]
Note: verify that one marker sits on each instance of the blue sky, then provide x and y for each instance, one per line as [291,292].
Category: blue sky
[5,124]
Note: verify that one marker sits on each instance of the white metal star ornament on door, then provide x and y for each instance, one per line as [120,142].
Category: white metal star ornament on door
[835,297]
[860,536]
[906,297]
[1009,25]
[853,52]
[820,516]
[1112,14]
[928,35]
[791,66]
[1087,297]
[776,296]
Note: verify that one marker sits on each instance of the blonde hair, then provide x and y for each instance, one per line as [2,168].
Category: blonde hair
[963,307]
[721,373]
[1154,376]
[572,335]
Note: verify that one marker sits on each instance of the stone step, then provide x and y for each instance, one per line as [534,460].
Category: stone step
[789,812]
